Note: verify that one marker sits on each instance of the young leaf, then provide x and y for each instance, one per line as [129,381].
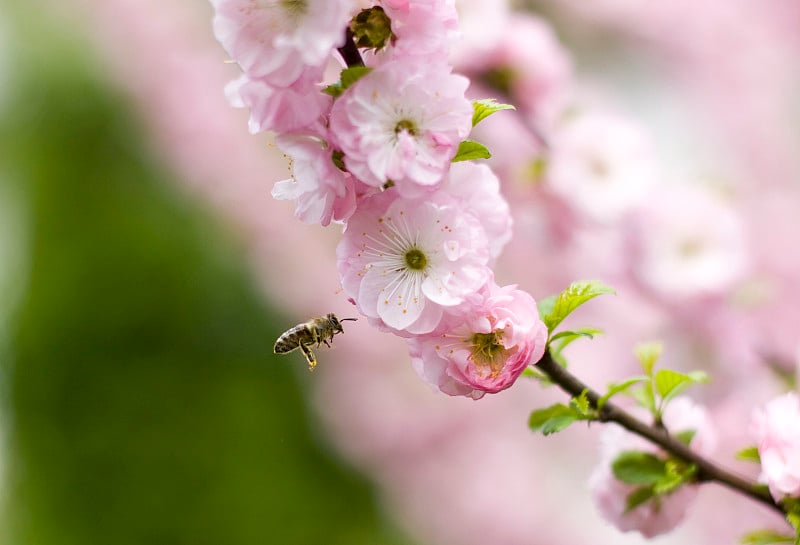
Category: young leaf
[749,454]
[638,497]
[581,404]
[667,380]
[614,389]
[352,74]
[670,383]
[648,354]
[645,397]
[685,436]
[486,107]
[545,306]
[347,78]
[571,298]
[634,467]
[765,537]
[469,150]
[543,379]
[574,334]
[553,419]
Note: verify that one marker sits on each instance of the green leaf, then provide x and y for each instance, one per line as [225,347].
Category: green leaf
[553,418]
[469,150]
[352,74]
[638,497]
[685,436]
[644,396]
[565,338]
[574,334]
[749,454]
[347,78]
[635,467]
[545,306]
[486,107]
[765,537]
[648,354]
[571,298]
[677,473]
[614,389]
[581,404]
[543,379]
[667,380]
[670,383]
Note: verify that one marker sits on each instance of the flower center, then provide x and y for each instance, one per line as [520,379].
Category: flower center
[294,8]
[488,350]
[406,125]
[415,259]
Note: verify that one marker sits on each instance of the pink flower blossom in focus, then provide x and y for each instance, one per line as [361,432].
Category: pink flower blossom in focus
[321,191]
[404,260]
[663,513]
[402,122]
[484,347]
[776,427]
[276,40]
[280,109]
[477,188]
[422,28]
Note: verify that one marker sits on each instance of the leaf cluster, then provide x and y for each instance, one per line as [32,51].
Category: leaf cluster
[652,476]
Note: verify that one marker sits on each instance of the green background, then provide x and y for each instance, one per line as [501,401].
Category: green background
[141,400]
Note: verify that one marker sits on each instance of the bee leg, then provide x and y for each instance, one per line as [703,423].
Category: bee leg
[310,357]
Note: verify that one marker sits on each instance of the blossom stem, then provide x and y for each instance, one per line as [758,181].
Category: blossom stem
[349,51]
[707,471]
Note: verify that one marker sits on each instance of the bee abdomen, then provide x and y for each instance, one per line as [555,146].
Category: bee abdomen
[284,345]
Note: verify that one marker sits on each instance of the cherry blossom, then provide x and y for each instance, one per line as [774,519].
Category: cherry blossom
[321,191]
[403,261]
[776,427]
[276,40]
[484,347]
[402,123]
[662,513]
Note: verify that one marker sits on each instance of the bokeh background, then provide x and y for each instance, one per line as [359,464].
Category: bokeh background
[145,273]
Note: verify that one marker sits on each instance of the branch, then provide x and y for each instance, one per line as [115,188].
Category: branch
[706,470]
[349,51]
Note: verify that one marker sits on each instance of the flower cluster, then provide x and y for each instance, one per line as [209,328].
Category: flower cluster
[375,151]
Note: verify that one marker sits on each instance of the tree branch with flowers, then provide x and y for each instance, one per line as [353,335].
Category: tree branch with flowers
[388,151]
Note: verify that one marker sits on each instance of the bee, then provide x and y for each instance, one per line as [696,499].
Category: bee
[317,330]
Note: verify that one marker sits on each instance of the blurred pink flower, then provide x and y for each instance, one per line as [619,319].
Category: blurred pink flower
[423,28]
[402,122]
[687,243]
[601,164]
[663,513]
[484,346]
[776,427]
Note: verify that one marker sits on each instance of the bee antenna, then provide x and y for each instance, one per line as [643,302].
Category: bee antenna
[346,319]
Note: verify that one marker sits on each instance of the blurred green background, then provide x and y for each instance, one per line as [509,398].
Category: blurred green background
[141,400]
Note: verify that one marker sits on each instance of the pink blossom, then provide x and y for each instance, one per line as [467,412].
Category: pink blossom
[603,165]
[321,191]
[402,122]
[663,513]
[404,260]
[687,242]
[776,428]
[279,109]
[274,40]
[484,346]
[477,188]
[423,28]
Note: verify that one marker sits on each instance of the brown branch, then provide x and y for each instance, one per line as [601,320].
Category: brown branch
[707,471]
[349,51]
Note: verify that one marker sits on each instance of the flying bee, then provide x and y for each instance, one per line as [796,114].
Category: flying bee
[317,330]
